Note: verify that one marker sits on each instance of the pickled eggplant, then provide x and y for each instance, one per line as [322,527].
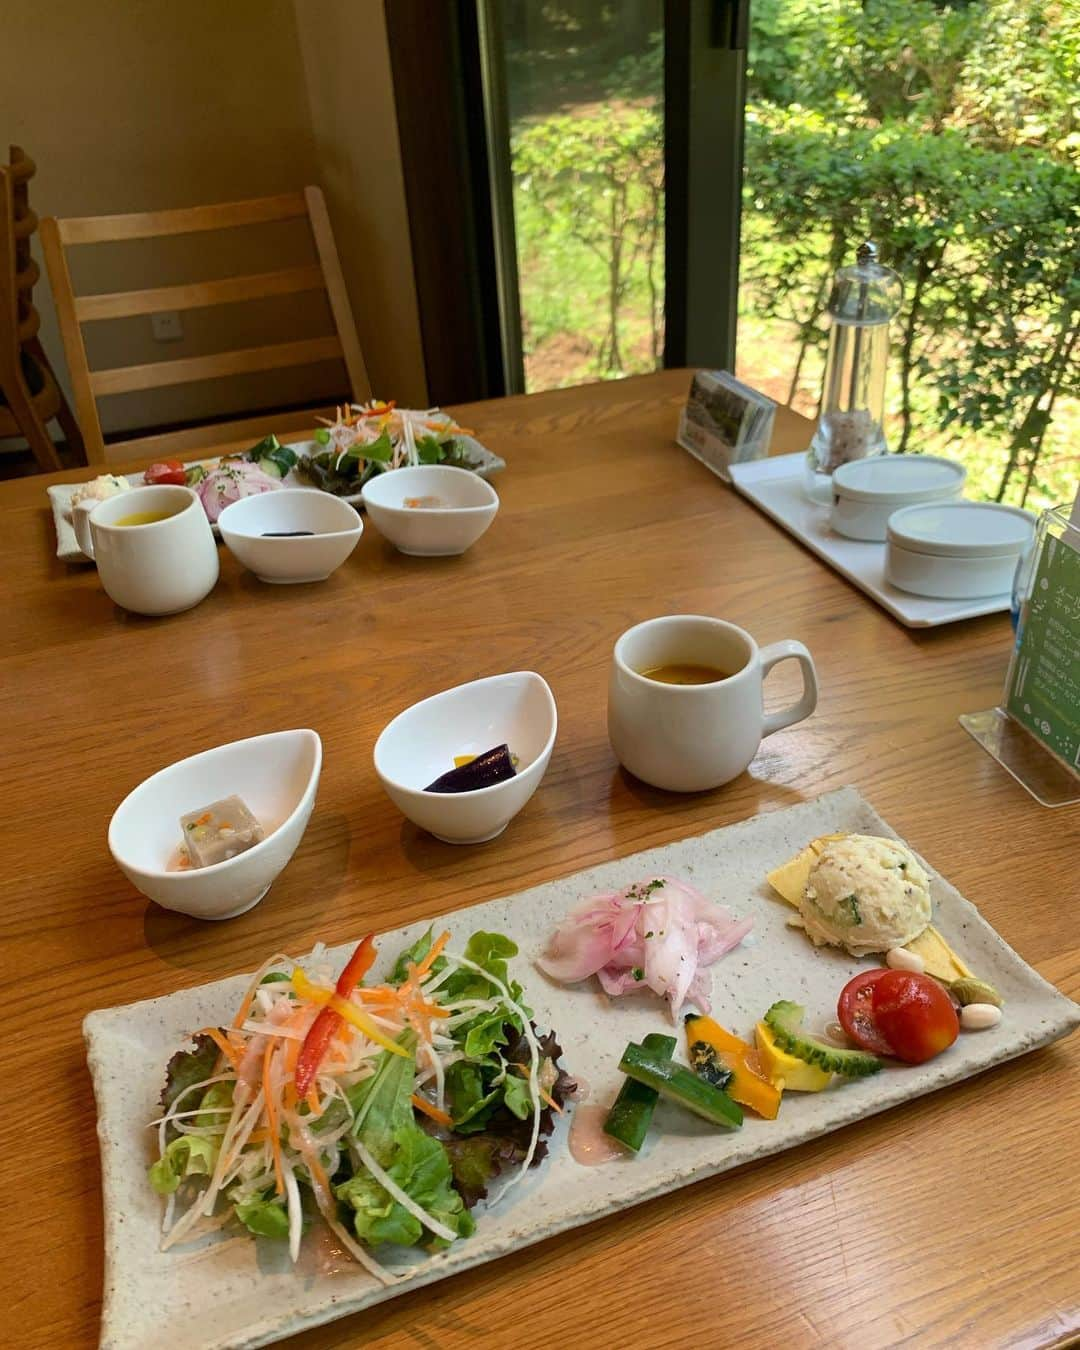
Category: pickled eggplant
[493,766]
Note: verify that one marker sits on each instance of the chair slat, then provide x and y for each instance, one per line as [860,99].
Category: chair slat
[323,234]
[159,374]
[243,433]
[199,294]
[184,220]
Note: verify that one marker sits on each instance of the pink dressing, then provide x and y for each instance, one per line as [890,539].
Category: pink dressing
[589,1145]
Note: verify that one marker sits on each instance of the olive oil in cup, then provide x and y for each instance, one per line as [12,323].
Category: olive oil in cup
[686,673]
[144,518]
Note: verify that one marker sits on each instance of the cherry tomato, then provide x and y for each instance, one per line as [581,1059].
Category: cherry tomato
[165,471]
[855,1012]
[913,1014]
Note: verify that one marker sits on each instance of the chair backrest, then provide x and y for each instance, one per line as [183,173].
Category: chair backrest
[9,320]
[19,320]
[57,236]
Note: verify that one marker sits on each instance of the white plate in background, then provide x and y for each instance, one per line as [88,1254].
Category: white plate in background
[60,494]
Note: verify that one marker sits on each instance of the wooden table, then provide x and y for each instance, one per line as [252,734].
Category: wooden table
[950,1222]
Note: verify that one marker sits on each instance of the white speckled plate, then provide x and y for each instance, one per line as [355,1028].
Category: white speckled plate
[239,1292]
[60,494]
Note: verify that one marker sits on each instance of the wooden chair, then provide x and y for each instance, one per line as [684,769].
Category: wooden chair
[30,395]
[73,311]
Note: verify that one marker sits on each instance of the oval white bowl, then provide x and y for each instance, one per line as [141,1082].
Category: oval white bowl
[420,744]
[276,775]
[336,529]
[424,531]
[866,492]
[957,550]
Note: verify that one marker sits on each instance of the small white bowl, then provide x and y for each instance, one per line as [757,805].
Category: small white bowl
[467,507]
[420,744]
[276,776]
[335,528]
[867,491]
[957,550]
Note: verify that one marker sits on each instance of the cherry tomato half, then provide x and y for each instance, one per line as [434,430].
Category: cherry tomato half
[165,471]
[855,1013]
[913,1014]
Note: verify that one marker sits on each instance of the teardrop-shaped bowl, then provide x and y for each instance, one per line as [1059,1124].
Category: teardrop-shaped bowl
[275,775]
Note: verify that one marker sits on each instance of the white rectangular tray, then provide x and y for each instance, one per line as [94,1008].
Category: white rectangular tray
[241,1293]
[775,485]
[59,494]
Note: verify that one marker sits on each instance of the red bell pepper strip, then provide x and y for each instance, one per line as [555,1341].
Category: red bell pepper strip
[325,1027]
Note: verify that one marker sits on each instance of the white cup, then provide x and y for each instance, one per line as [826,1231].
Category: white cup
[690,737]
[159,568]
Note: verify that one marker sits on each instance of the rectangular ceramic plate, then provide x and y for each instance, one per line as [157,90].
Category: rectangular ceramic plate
[239,1292]
[775,486]
[67,550]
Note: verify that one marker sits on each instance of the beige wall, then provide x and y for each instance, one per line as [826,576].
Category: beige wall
[149,104]
[355,126]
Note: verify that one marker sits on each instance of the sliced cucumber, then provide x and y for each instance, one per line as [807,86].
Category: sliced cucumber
[784,1019]
[629,1118]
[681,1085]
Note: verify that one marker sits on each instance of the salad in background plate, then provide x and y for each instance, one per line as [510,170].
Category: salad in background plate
[371,438]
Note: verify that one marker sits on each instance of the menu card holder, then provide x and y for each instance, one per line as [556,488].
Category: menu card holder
[1034,733]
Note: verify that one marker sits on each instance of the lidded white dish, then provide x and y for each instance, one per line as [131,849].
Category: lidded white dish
[865,492]
[956,550]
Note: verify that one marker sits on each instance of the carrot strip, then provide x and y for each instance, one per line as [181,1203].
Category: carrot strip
[417,973]
[540,1091]
[229,1051]
[312,1099]
[433,1111]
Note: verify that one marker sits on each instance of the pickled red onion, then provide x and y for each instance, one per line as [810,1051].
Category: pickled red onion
[660,934]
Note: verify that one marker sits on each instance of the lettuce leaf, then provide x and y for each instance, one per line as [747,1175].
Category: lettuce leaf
[422,1169]
[477,1160]
[188,1155]
[265,1217]
[184,1070]
[416,1161]
[470,1098]
[516,1096]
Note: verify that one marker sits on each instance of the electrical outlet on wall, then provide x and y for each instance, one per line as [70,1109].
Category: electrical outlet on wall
[166,326]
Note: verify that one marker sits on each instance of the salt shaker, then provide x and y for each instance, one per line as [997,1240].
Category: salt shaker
[863,300]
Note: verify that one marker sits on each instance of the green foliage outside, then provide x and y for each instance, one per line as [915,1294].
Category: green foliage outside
[950,133]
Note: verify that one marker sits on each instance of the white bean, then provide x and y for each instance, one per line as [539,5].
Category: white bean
[900,959]
[979,1016]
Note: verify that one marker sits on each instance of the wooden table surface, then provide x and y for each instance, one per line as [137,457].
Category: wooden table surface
[949,1222]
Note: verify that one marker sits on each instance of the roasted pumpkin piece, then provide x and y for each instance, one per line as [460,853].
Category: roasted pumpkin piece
[713,1050]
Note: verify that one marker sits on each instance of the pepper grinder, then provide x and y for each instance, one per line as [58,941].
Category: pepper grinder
[863,300]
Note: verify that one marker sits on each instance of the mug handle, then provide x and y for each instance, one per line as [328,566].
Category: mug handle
[80,523]
[786,717]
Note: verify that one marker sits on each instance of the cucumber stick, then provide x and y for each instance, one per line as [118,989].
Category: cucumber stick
[629,1118]
[681,1085]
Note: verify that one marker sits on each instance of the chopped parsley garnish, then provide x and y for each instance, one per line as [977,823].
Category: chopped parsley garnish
[852,902]
[638,973]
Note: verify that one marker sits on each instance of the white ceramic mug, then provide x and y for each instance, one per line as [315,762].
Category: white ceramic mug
[158,568]
[690,737]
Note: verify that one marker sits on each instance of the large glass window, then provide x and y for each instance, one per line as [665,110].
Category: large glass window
[949,133]
[584,98]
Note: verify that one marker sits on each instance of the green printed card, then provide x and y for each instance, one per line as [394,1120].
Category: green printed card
[1044,685]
